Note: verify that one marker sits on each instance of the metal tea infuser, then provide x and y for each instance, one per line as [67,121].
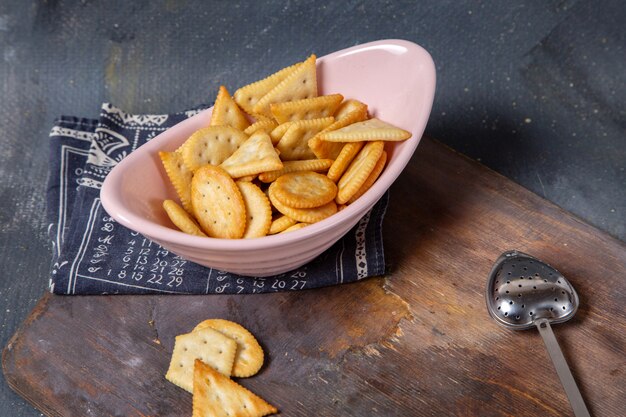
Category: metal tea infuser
[524,292]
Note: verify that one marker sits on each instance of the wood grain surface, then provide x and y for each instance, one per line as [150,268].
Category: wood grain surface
[417,341]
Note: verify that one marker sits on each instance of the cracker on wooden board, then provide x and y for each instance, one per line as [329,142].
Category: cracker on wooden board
[208,345]
[247,96]
[358,171]
[182,219]
[215,395]
[308,108]
[316,165]
[299,84]
[217,203]
[211,145]
[307,215]
[226,112]
[294,143]
[179,175]
[280,223]
[258,210]
[249,355]
[304,189]
[367,130]
[347,154]
[254,156]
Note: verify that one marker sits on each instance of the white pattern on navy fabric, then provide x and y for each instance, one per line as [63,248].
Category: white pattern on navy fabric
[102,148]
[135,119]
[361,254]
[71,284]
[72,133]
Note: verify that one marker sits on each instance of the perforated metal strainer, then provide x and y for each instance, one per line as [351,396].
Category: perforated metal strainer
[524,292]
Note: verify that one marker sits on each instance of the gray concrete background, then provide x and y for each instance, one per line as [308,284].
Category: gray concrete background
[532,89]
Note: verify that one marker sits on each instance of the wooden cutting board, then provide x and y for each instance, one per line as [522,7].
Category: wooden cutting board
[416,342]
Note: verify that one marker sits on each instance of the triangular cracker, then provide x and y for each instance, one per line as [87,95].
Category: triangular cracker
[211,145]
[227,113]
[308,108]
[279,131]
[215,395]
[179,175]
[254,156]
[210,346]
[250,94]
[348,107]
[368,130]
[266,124]
[294,143]
[300,84]
[324,149]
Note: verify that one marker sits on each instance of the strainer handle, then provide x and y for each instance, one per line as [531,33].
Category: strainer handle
[562,369]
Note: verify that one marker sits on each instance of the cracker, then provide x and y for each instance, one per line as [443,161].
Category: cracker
[181,218]
[304,189]
[250,94]
[299,84]
[254,156]
[207,345]
[179,175]
[358,171]
[368,130]
[347,154]
[317,165]
[308,108]
[211,145]
[217,203]
[279,131]
[281,223]
[215,395]
[226,112]
[371,179]
[296,226]
[249,355]
[307,215]
[258,210]
[265,125]
[348,107]
[325,149]
[294,143]
[247,178]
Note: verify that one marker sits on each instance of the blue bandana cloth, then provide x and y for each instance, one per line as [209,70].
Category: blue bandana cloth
[92,254]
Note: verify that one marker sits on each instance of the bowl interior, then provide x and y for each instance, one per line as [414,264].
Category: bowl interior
[396,79]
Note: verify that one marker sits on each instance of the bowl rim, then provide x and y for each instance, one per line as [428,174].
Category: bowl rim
[110,192]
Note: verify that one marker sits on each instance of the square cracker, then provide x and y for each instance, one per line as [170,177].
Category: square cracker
[215,395]
[207,345]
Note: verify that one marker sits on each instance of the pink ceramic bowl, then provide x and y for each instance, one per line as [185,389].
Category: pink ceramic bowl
[395,78]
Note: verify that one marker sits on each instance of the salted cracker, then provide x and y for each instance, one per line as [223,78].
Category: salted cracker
[280,223]
[211,145]
[258,210]
[181,218]
[304,189]
[226,112]
[179,175]
[295,227]
[254,156]
[249,355]
[308,108]
[341,163]
[358,171]
[277,133]
[368,130]
[371,179]
[209,346]
[316,165]
[348,107]
[215,395]
[324,149]
[294,143]
[299,84]
[266,125]
[217,203]
[306,215]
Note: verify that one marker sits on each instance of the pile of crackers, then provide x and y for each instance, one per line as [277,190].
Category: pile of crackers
[275,157]
[203,362]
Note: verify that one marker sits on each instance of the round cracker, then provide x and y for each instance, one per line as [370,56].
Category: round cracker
[181,218]
[249,354]
[258,210]
[303,215]
[304,189]
[358,171]
[296,226]
[217,203]
[281,223]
